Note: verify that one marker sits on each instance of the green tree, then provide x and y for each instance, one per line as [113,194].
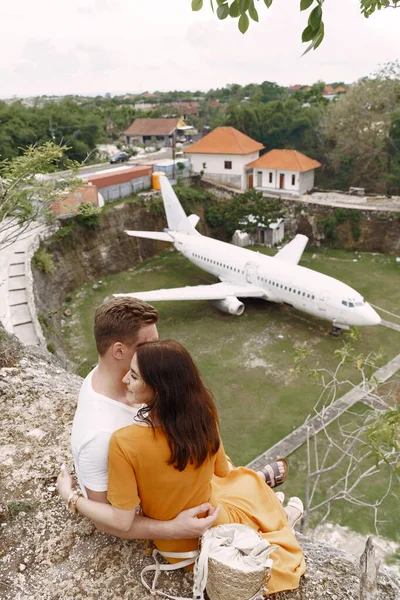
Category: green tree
[249,210]
[392,176]
[278,124]
[361,130]
[26,193]
[313,34]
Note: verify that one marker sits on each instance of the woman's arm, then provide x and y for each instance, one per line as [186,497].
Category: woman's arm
[103,514]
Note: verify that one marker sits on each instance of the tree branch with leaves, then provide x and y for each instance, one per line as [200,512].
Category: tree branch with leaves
[247,10]
[27,192]
[342,456]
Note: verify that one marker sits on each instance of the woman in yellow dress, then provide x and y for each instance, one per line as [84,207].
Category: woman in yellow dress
[172,458]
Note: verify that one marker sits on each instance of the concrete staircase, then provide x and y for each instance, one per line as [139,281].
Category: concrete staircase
[17,308]
[21,319]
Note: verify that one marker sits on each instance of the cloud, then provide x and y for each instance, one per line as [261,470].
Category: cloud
[95,46]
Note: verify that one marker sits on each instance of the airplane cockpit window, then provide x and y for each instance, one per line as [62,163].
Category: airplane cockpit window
[344,302]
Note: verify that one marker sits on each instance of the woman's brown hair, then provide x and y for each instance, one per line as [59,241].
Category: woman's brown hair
[182,406]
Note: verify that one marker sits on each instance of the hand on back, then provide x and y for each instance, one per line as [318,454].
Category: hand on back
[191,525]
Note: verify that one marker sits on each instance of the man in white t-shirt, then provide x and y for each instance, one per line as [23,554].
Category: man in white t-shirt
[121,325]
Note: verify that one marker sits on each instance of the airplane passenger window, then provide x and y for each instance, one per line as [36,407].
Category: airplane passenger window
[313,297]
[285,287]
[308,295]
[304,293]
[299,292]
[290,289]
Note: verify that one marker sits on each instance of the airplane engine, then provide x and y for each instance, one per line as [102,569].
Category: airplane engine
[230,305]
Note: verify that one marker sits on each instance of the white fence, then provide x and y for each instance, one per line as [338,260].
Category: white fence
[122,190]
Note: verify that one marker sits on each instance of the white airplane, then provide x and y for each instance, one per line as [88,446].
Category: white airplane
[247,274]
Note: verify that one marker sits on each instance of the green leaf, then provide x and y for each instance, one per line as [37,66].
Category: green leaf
[304,4]
[253,11]
[268,3]
[243,23]
[234,9]
[320,36]
[197,4]
[308,34]
[223,11]
[244,5]
[310,47]
[315,18]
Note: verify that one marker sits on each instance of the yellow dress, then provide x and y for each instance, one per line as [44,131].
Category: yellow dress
[139,474]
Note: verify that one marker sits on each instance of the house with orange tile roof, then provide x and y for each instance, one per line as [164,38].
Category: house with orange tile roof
[284,172]
[331,93]
[222,155]
[160,131]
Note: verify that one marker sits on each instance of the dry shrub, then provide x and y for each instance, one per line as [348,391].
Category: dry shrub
[10,349]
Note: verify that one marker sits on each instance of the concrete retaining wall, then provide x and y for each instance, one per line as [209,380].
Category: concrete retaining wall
[122,190]
[378,230]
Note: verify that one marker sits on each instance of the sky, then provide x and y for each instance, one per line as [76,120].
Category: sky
[88,47]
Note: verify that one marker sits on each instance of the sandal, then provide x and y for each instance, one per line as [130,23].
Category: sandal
[279,477]
[296,503]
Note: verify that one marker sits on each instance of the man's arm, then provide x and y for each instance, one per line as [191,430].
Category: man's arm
[187,525]
[97,496]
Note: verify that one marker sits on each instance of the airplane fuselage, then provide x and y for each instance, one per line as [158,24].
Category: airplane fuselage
[304,289]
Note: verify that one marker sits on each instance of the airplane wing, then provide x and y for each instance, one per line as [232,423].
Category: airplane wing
[152,235]
[216,291]
[292,252]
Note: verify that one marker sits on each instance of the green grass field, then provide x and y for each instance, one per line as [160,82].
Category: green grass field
[247,361]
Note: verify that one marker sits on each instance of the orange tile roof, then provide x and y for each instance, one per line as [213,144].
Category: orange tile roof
[152,127]
[340,90]
[225,140]
[285,160]
[101,180]
[328,89]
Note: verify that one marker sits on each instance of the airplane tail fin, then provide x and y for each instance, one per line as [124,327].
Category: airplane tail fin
[176,217]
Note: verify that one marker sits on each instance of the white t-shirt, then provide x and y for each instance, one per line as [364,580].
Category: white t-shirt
[96,419]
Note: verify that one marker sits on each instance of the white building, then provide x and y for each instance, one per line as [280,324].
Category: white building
[284,172]
[266,235]
[222,156]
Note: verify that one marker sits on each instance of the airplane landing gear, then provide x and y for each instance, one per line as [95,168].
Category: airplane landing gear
[335,331]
